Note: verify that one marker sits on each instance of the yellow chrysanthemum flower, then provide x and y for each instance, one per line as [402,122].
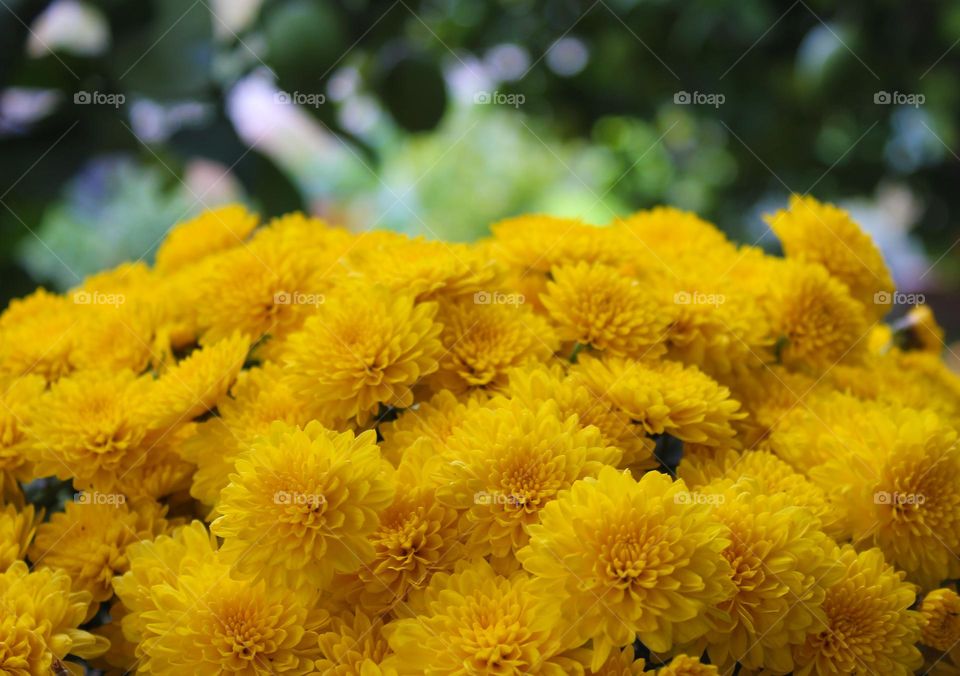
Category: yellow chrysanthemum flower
[475,621]
[536,385]
[322,491]
[364,347]
[354,644]
[940,619]
[896,489]
[665,236]
[596,305]
[781,564]
[38,334]
[483,338]
[537,243]
[505,464]
[665,397]
[869,628]
[815,320]
[212,231]
[89,538]
[17,527]
[39,623]
[18,405]
[816,232]
[630,559]
[685,665]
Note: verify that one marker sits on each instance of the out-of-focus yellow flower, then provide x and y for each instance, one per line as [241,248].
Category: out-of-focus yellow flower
[17,527]
[212,231]
[940,619]
[364,347]
[869,627]
[537,243]
[18,405]
[630,559]
[320,491]
[817,232]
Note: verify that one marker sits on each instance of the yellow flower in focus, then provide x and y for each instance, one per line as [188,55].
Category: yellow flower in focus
[39,622]
[88,540]
[354,644]
[664,397]
[869,628]
[505,464]
[475,621]
[320,491]
[212,231]
[814,318]
[630,559]
[817,232]
[483,337]
[940,619]
[17,527]
[364,347]
[596,305]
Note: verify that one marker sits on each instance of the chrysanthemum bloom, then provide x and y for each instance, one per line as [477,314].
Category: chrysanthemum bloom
[427,269]
[815,232]
[869,628]
[940,619]
[260,397]
[630,559]
[320,491]
[212,231]
[768,475]
[685,665]
[537,243]
[89,539]
[17,527]
[505,464]
[353,643]
[38,334]
[813,316]
[418,535]
[18,399]
[664,396]
[93,429]
[433,419]
[208,622]
[363,347]
[475,621]
[664,236]
[39,622]
[536,384]
[486,335]
[619,663]
[597,305]
[896,489]
[781,564]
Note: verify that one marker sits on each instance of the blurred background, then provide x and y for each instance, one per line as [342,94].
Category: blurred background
[119,118]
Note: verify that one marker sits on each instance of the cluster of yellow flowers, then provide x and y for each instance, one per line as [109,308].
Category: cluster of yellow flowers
[286,448]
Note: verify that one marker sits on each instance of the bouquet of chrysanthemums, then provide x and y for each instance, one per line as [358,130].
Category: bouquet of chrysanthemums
[287,448]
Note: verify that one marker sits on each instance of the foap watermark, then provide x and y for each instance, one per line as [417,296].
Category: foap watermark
[298,498]
[83,98]
[898,298]
[683,98]
[98,298]
[498,498]
[897,498]
[298,298]
[498,298]
[312,99]
[698,298]
[883,98]
[697,498]
[98,498]
[485,98]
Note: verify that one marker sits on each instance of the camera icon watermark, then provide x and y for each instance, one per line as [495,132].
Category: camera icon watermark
[495,98]
[84,98]
[98,298]
[313,100]
[884,98]
[898,298]
[684,98]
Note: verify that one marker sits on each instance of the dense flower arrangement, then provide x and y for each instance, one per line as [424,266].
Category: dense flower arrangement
[286,448]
